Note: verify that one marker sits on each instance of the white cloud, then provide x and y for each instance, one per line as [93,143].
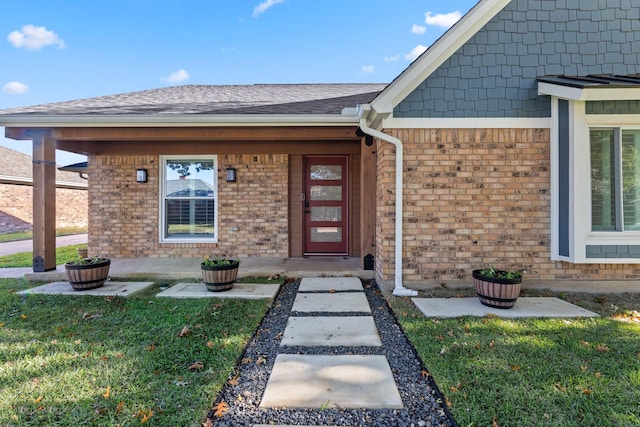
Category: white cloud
[368,69]
[444,20]
[178,76]
[392,58]
[415,52]
[418,29]
[34,38]
[264,6]
[15,88]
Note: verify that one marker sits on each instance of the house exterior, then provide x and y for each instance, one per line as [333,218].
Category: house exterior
[512,141]
[16,193]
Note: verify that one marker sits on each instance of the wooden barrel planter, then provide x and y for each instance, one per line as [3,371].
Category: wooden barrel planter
[497,292]
[220,278]
[89,273]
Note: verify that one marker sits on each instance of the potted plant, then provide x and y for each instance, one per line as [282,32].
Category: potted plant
[497,288]
[218,274]
[87,273]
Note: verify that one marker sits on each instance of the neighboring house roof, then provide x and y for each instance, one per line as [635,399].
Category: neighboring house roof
[189,188]
[205,100]
[17,168]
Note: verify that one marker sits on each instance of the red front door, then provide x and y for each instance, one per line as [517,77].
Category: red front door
[325,215]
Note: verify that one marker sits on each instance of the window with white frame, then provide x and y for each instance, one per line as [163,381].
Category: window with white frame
[189,201]
[615,179]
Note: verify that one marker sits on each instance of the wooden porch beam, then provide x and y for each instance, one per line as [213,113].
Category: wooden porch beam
[257,133]
[44,200]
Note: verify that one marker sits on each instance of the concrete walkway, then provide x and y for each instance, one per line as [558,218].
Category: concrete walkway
[8,248]
[327,380]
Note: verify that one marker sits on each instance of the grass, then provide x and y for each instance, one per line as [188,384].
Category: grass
[535,372]
[114,361]
[27,235]
[25,259]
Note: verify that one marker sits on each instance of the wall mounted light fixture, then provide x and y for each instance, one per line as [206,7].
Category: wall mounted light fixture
[141,175]
[231,175]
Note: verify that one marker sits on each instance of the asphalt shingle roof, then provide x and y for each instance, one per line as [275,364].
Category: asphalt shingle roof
[19,165]
[228,99]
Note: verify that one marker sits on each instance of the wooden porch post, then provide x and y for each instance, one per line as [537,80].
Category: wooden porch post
[368,199]
[44,200]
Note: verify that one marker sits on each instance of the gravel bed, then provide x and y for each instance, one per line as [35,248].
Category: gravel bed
[424,404]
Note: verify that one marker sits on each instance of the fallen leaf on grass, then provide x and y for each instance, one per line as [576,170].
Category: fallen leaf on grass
[586,391]
[184,332]
[494,423]
[492,344]
[583,368]
[37,399]
[220,409]
[107,393]
[1,324]
[181,383]
[208,423]
[120,407]
[210,344]
[195,366]
[597,374]
[144,415]
[515,367]
[425,373]
[602,348]
[24,316]
[151,347]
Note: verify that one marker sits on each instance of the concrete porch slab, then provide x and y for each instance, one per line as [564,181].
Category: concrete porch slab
[121,289]
[326,284]
[525,307]
[331,331]
[239,290]
[331,303]
[317,381]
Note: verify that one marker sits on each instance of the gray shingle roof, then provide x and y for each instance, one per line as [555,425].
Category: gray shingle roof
[204,99]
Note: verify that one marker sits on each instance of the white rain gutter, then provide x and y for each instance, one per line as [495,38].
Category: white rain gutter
[399,290]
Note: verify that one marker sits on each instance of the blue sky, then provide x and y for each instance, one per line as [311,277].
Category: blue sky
[59,50]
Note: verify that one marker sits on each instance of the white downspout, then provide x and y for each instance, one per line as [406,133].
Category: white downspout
[399,289]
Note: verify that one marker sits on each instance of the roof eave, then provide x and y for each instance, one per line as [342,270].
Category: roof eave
[347,118]
[589,93]
[437,54]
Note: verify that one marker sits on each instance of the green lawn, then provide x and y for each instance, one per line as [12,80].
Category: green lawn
[533,372]
[71,361]
[26,235]
[25,259]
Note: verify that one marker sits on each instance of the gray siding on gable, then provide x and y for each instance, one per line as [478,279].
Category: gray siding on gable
[494,73]
[613,107]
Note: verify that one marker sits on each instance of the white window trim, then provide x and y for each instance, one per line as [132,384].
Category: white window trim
[161,194]
[580,233]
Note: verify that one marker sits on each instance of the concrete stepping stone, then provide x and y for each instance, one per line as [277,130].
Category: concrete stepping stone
[525,307]
[121,289]
[326,284]
[318,381]
[331,303]
[331,331]
[239,290]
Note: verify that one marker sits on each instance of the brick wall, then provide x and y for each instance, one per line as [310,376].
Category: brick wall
[473,197]
[16,213]
[124,215]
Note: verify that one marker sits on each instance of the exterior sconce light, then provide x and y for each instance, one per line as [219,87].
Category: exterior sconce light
[231,175]
[141,175]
